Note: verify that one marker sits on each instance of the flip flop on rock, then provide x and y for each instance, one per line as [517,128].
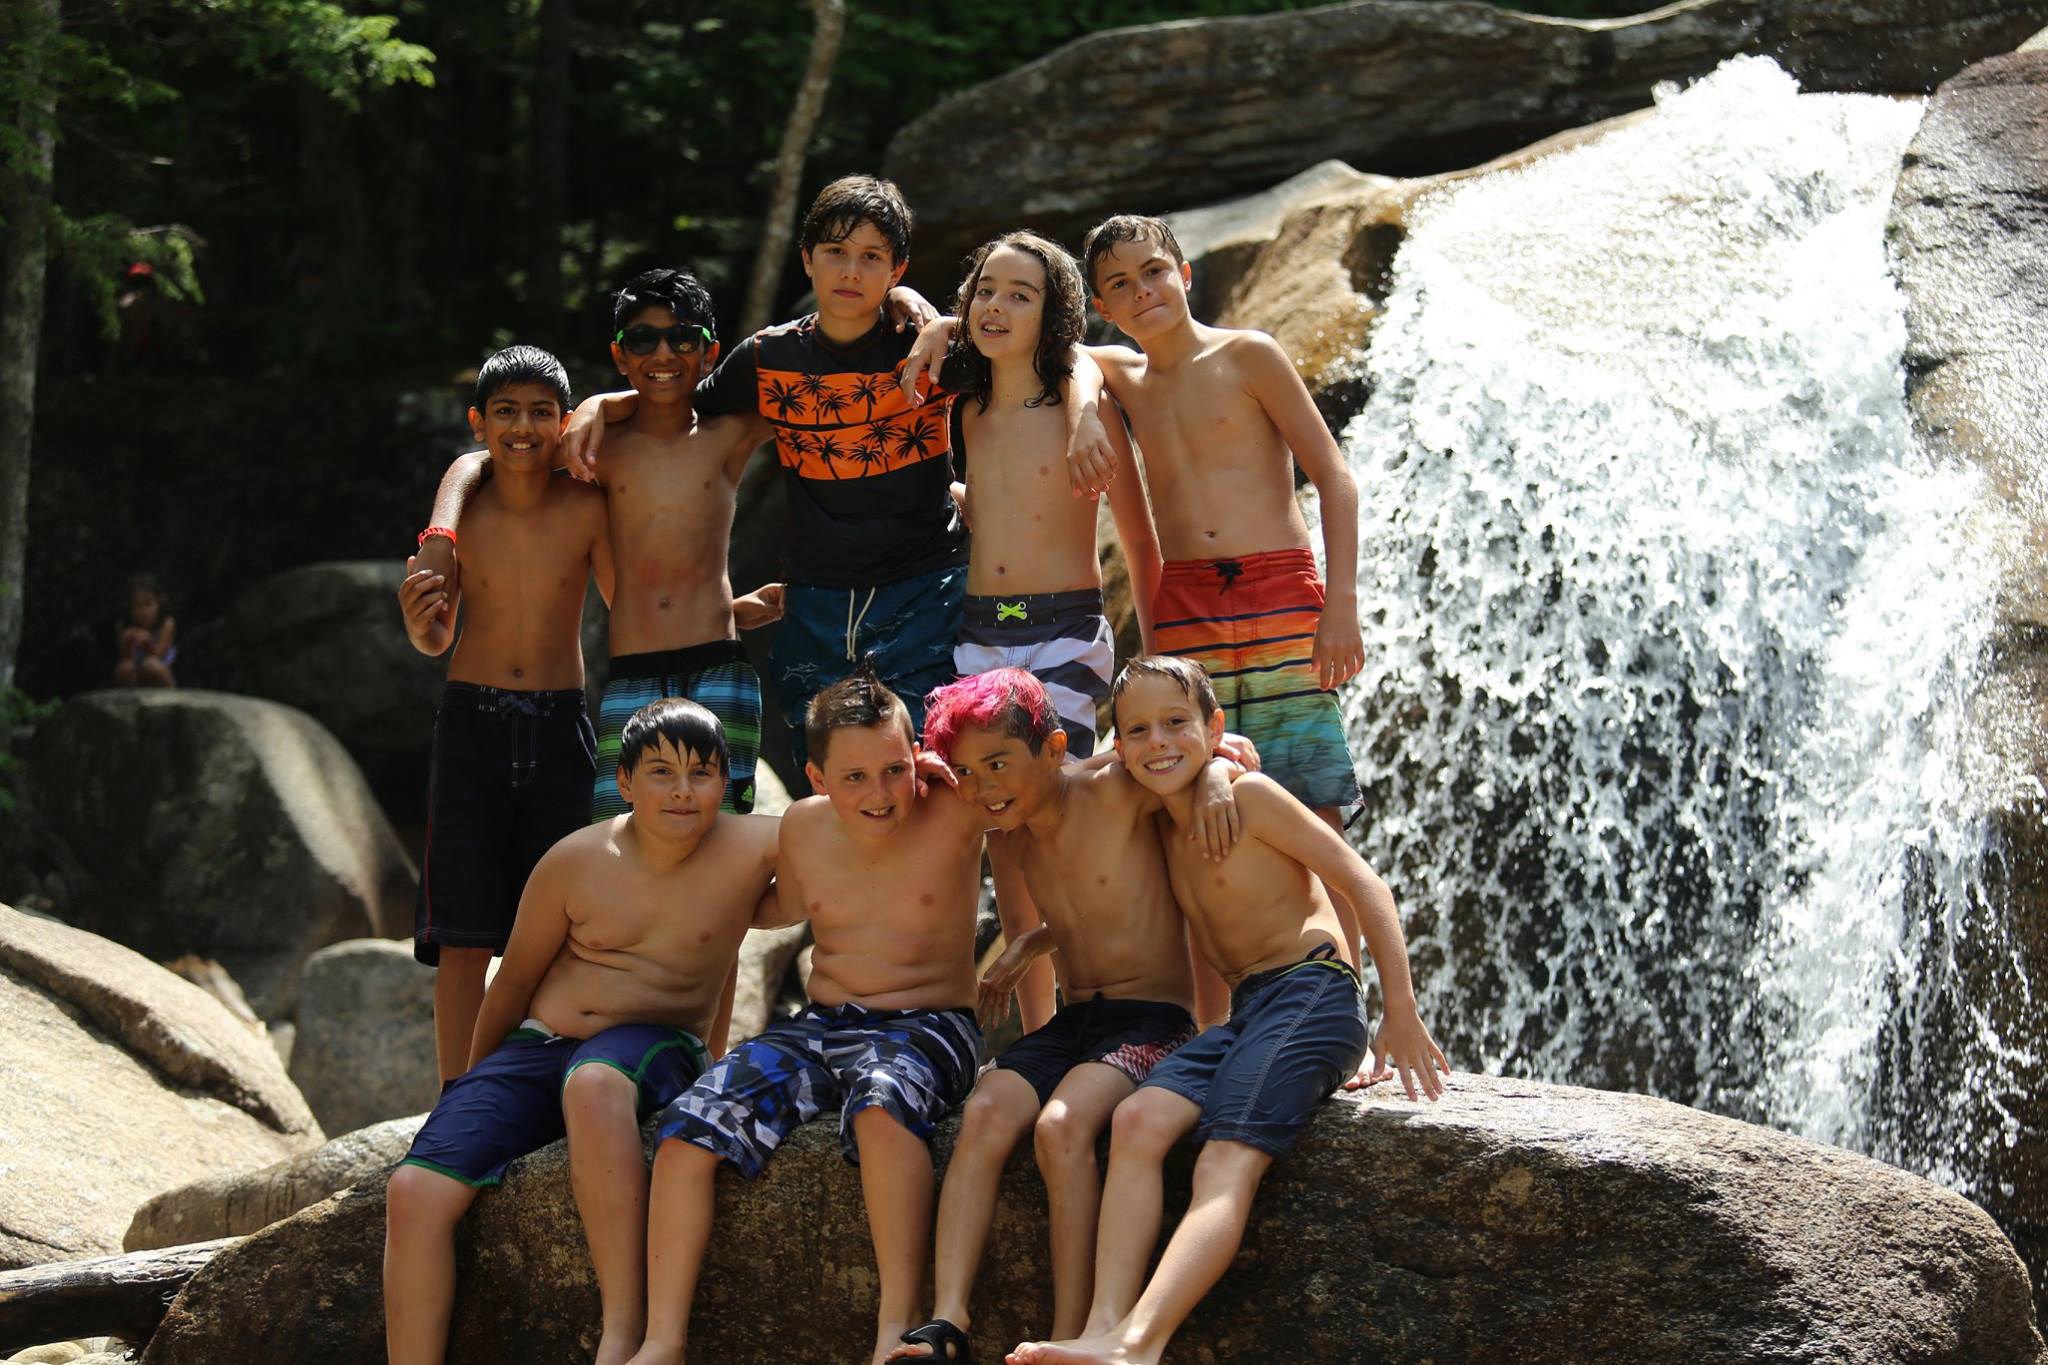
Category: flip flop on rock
[948,1342]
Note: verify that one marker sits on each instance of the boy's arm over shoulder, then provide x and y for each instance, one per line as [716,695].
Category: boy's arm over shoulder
[538,932]
[597,523]
[1272,379]
[464,477]
[732,388]
[1135,531]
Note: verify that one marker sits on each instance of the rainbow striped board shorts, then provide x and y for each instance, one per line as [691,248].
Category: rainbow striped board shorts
[1251,623]
[718,678]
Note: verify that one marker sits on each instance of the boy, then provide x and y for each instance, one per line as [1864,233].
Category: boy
[1297,1025]
[512,745]
[889,882]
[1083,841]
[1034,581]
[625,937]
[875,550]
[670,479]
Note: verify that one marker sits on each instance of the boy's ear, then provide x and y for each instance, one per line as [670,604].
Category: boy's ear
[1187,275]
[618,357]
[896,275]
[625,784]
[1215,728]
[565,420]
[1056,745]
[476,423]
[816,775]
[1095,302]
[711,356]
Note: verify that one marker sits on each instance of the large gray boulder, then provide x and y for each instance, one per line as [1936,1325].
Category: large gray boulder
[123,1080]
[1513,1221]
[326,638]
[1178,114]
[243,1202]
[220,825]
[1969,244]
[365,1045]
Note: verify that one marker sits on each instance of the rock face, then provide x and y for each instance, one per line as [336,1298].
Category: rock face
[365,1046]
[240,1203]
[221,825]
[1513,1221]
[122,1081]
[1969,242]
[1189,113]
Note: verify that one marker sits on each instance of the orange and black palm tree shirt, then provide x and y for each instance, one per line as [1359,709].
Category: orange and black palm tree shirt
[868,472]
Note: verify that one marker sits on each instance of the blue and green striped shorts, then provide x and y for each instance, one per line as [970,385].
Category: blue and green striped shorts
[718,678]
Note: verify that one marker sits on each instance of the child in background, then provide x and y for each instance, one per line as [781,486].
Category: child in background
[146,644]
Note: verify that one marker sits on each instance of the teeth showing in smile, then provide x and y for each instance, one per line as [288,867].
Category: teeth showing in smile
[663,376]
[997,808]
[1160,765]
[521,445]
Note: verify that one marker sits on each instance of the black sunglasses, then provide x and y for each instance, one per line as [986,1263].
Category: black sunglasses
[684,338]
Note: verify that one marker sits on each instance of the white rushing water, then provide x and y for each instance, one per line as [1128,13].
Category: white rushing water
[1672,628]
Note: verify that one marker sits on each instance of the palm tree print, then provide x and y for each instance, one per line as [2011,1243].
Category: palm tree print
[913,442]
[788,401]
[831,402]
[871,451]
[827,448]
[812,385]
[869,389]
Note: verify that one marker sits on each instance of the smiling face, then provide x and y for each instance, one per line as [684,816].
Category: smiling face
[664,375]
[1007,309]
[868,777]
[853,275]
[1162,735]
[674,792]
[999,773]
[520,424]
[1141,288]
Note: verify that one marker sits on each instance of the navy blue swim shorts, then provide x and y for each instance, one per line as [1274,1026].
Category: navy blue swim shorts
[510,1103]
[1295,1034]
[1132,1036]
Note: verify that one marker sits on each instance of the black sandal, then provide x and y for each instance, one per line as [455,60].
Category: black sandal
[948,1343]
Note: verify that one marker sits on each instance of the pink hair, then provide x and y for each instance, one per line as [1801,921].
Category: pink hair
[1006,699]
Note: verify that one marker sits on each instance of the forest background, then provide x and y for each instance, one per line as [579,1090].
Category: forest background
[346,207]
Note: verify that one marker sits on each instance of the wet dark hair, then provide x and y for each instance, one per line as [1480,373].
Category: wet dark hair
[858,699]
[1126,227]
[683,723]
[676,290]
[851,200]
[521,365]
[1185,674]
[1061,321]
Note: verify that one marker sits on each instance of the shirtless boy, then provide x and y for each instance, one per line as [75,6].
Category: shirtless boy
[1084,843]
[626,934]
[670,477]
[1297,1025]
[889,882]
[512,745]
[1034,581]
[1222,418]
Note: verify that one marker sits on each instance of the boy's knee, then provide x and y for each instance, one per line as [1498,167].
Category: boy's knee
[1062,1140]
[598,1093]
[1148,1123]
[418,1199]
[1224,1163]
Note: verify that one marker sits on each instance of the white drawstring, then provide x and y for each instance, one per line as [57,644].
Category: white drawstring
[853,622]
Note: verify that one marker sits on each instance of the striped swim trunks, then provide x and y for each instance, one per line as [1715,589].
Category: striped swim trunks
[718,678]
[1251,623]
[1061,638]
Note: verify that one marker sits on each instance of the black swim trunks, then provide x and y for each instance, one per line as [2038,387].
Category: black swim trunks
[511,775]
[1133,1036]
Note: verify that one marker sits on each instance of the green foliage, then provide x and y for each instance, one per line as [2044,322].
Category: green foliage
[17,709]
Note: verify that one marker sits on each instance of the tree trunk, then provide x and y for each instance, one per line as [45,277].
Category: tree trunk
[769,260]
[24,262]
[553,72]
[109,1296]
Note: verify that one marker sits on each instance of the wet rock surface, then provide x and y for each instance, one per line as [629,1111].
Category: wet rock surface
[1512,1221]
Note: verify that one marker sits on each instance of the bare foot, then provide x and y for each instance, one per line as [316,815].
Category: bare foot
[1087,1351]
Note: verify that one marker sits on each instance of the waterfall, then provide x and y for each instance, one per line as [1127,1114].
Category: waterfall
[1673,631]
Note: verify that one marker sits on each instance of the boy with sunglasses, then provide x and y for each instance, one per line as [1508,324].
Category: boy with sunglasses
[670,478]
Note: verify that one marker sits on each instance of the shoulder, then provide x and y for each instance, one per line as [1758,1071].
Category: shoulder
[804,815]
[757,834]
[1262,802]
[1252,352]
[1115,360]
[578,849]
[572,493]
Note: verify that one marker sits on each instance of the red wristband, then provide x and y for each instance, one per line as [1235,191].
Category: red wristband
[448,531]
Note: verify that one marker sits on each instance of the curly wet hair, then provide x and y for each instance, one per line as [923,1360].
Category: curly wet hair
[1061,321]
